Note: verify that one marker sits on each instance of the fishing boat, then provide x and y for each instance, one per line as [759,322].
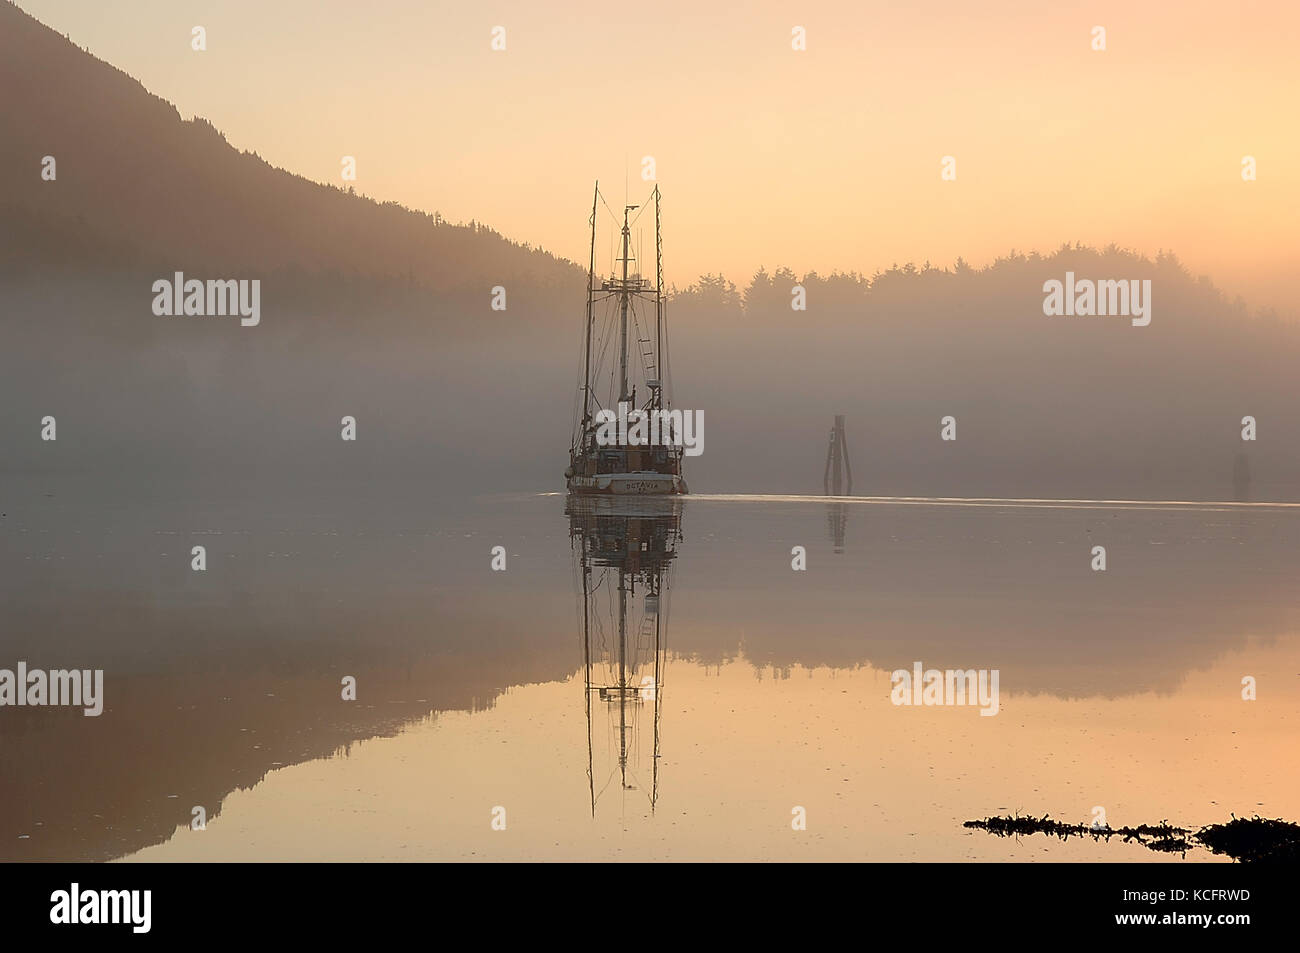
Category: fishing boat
[624,309]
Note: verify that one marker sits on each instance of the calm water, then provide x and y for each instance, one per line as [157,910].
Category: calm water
[735,690]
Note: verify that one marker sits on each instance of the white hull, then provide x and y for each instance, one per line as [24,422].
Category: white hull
[637,483]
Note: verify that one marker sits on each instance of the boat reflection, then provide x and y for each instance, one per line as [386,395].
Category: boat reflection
[624,550]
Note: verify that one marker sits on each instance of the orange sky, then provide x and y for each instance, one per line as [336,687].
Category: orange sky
[824,159]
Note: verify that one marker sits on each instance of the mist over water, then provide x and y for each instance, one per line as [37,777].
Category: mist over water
[453,395]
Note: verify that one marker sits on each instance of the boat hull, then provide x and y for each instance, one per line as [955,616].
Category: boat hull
[637,483]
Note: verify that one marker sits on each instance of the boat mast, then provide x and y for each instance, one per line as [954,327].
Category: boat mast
[624,296]
[659,307]
[586,376]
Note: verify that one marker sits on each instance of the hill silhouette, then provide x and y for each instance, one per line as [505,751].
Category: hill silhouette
[139,185]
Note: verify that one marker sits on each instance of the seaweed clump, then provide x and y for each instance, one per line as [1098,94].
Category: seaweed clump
[1253,840]
[1248,840]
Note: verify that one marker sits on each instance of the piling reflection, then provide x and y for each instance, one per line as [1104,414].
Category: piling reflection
[837,524]
[624,552]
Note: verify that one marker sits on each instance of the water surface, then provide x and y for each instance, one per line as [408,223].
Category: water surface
[747,689]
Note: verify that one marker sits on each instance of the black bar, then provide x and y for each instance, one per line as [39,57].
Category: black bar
[942,902]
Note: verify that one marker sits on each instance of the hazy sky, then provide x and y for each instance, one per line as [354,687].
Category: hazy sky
[823,159]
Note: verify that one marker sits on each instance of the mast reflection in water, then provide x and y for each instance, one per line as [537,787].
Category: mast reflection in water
[624,550]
